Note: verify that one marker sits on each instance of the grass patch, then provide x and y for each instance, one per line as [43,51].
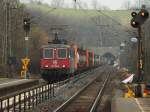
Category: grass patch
[123,15]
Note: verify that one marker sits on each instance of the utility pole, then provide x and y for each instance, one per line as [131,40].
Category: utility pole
[128,5]
[75,4]
[139,4]
[102,38]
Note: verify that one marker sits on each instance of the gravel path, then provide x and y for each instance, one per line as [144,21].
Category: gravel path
[65,92]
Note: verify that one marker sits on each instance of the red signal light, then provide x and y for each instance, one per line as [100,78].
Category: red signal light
[139,18]
[142,14]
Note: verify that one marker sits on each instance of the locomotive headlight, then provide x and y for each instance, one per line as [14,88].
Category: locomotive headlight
[63,66]
[46,66]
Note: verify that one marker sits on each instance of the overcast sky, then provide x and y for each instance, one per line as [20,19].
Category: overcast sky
[112,4]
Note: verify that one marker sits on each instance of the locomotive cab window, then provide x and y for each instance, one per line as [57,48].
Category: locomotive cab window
[48,53]
[62,53]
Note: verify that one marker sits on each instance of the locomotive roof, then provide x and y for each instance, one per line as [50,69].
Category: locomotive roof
[55,46]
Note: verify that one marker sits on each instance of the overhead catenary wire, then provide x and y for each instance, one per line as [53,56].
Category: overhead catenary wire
[100,11]
[112,19]
[59,27]
[49,11]
[104,15]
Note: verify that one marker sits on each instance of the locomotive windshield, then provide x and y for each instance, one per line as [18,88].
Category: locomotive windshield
[62,53]
[48,53]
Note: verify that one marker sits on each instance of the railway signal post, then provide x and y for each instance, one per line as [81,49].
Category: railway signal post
[26,60]
[136,22]
[26,25]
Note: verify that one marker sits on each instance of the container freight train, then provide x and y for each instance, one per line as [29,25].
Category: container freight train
[61,61]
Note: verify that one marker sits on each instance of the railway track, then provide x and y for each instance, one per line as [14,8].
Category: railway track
[28,98]
[86,99]
[76,78]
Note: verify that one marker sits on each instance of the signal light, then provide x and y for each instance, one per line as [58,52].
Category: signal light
[133,14]
[26,23]
[139,18]
[134,23]
[144,13]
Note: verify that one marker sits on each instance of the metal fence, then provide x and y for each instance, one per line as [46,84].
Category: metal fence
[26,99]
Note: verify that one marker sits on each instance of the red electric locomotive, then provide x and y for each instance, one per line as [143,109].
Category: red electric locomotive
[59,61]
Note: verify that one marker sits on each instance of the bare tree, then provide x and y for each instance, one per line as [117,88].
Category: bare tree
[95,4]
[11,20]
[126,4]
[57,3]
[82,5]
[39,2]
[147,3]
[104,8]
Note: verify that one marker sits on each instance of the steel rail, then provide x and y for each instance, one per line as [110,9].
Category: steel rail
[61,108]
[82,75]
[65,104]
[100,94]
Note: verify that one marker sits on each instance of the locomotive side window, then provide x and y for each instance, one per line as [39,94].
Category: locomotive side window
[48,53]
[62,53]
